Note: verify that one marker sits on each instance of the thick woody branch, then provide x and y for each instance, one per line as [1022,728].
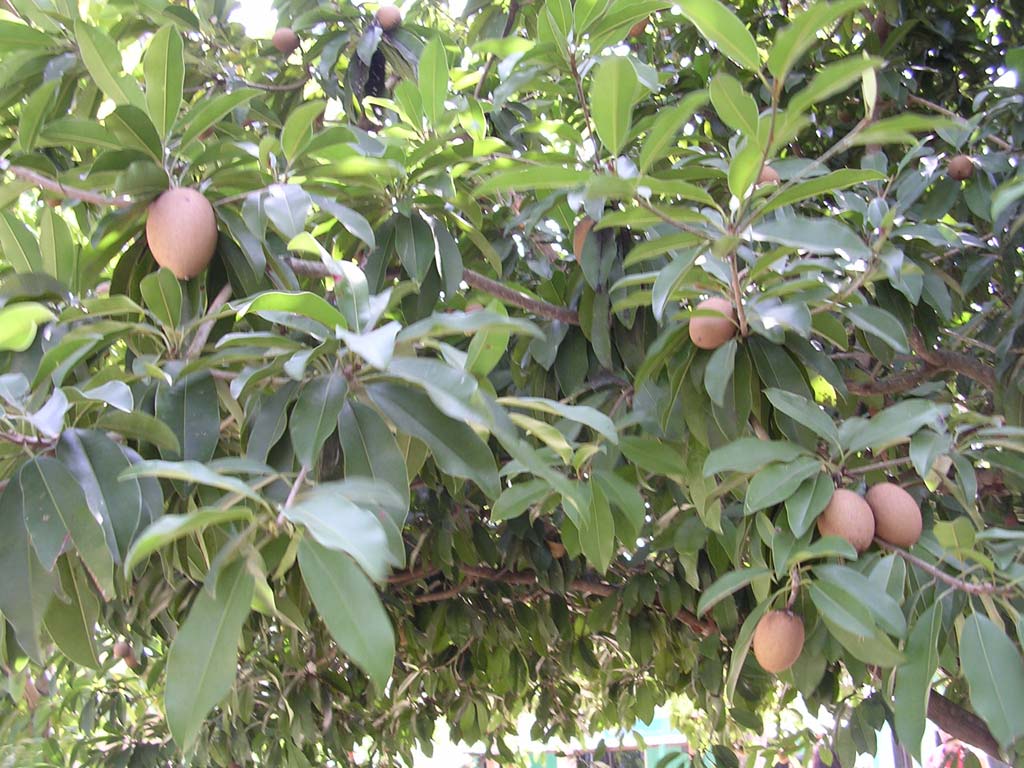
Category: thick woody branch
[474,279]
[892,384]
[73,193]
[961,724]
[944,360]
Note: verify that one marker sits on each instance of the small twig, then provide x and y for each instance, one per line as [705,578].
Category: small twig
[437,597]
[911,98]
[74,193]
[794,587]
[586,109]
[203,334]
[510,22]
[971,588]
[299,480]
[292,86]
[885,464]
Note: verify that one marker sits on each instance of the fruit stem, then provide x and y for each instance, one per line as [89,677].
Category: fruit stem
[794,587]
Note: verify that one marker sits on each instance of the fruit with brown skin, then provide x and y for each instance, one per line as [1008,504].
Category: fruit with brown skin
[389,18]
[897,515]
[123,651]
[579,237]
[881,27]
[768,175]
[961,167]
[182,231]
[711,332]
[639,28]
[556,548]
[778,640]
[848,516]
[285,40]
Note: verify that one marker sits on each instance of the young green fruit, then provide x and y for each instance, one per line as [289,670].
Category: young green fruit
[961,167]
[848,516]
[778,640]
[711,332]
[285,40]
[897,515]
[182,231]
[389,18]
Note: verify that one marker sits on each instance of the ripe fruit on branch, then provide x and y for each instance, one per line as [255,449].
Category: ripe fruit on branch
[768,175]
[579,237]
[778,640]
[897,515]
[711,332]
[961,167]
[182,231]
[389,18]
[848,516]
[285,40]
[638,29]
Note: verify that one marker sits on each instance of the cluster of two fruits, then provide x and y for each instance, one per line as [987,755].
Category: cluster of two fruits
[887,511]
[286,40]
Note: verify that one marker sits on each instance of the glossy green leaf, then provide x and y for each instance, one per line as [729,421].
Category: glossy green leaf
[103,60]
[19,324]
[597,537]
[162,293]
[748,454]
[433,81]
[914,679]
[734,106]
[726,585]
[71,618]
[995,672]
[793,41]
[303,303]
[191,409]
[613,90]
[164,67]
[370,449]
[170,528]
[203,659]
[315,416]
[350,608]
[191,472]
[720,26]
[878,322]
[206,113]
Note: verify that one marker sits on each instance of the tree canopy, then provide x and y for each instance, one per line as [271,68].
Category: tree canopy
[432,435]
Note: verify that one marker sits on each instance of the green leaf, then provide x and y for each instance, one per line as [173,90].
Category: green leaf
[142,427]
[207,112]
[583,414]
[433,81]
[370,449]
[612,93]
[19,246]
[133,129]
[170,528]
[808,413]
[55,508]
[71,619]
[487,347]
[736,108]
[597,536]
[192,472]
[298,128]
[995,672]
[914,679]
[821,185]
[14,36]
[777,482]
[837,608]
[97,462]
[797,37]
[315,416]
[162,293]
[653,455]
[35,112]
[808,501]
[862,591]
[534,177]
[748,454]
[304,303]
[819,236]
[726,585]
[902,129]
[19,323]
[103,60]
[57,250]
[26,587]
[517,498]
[744,169]
[353,516]
[441,324]
[661,136]
[190,407]
[414,241]
[830,80]
[625,497]
[891,424]
[164,67]
[720,26]
[203,659]
[453,445]
[880,323]
[350,608]
[719,370]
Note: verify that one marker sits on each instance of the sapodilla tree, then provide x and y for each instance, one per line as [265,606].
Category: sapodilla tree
[395,449]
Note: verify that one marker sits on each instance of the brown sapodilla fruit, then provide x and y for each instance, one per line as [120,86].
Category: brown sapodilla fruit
[182,231]
[285,40]
[768,175]
[389,18]
[579,237]
[897,515]
[961,167]
[709,332]
[848,516]
[778,640]
[638,29]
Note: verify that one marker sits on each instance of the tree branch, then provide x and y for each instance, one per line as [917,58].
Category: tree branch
[311,268]
[961,724]
[529,579]
[891,384]
[911,98]
[74,193]
[946,360]
[970,587]
[203,334]
[510,22]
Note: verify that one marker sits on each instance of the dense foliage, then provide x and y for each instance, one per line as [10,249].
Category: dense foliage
[429,437]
